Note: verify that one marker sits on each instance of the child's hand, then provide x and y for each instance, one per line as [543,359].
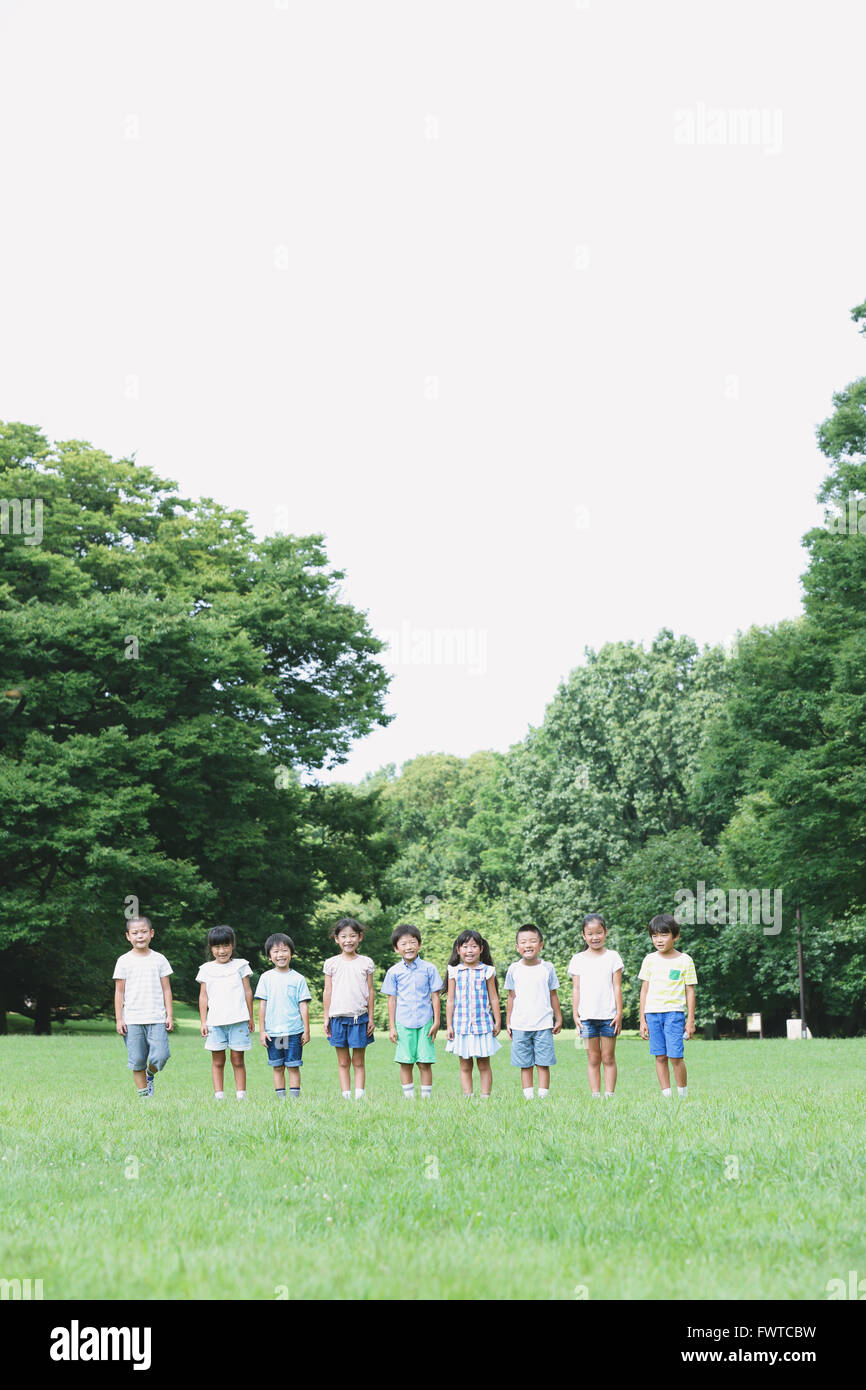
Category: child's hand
[557,1027]
[449,1033]
[497,1027]
[392,1034]
[306,1038]
[510,1034]
[434,1029]
[371,1027]
[203,1030]
[121,1029]
[644,1029]
[690,1029]
[327,1026]
[616,1025]
[169,1024]
[264,1037]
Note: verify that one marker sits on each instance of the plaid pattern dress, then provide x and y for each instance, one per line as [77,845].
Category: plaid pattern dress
[472,1021]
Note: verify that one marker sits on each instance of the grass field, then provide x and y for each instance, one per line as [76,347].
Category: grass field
[749,1189]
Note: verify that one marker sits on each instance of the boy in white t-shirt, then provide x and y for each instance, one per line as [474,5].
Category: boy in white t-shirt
[143,1007]
[532,1014]
[348,1002]
[596,998]
[225,1006]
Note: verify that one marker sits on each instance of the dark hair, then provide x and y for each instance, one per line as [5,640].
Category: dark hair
[528,926]
[139,919]
[663,921]
[592,917]
[220,936]
[454,958]
[346,922]
[406,929]
[278,938]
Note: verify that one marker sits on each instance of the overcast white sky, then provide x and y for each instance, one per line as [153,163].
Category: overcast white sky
[512,299]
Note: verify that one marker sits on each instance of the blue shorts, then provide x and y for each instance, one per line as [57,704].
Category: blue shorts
[596,1028]
[667,1034]
[347,1031]
[288,1056]
[235,1036]
[532,1049]
[146,1046]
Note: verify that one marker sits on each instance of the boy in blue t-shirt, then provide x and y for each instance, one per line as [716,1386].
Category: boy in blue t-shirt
[284,1015]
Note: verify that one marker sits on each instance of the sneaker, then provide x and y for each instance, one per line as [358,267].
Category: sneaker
[151,1077]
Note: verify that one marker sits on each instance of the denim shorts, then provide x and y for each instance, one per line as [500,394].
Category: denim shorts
[596,1028]
[146,1045]
[532,1049]
[235,1036]
[347,1031]
[288,1056]
[666,1034]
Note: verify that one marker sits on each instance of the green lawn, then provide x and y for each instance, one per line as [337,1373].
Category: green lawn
[751,1188]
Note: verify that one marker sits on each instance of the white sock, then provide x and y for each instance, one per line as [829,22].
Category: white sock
[596,1095]
[528,1092]
[666,1093]
[409,1091]
[543,1091]
[682,1090]
[484,1097]
[242,1095]
[608,1095]
[426,1092]
[347,1095]
[359,1093]
[219,1095]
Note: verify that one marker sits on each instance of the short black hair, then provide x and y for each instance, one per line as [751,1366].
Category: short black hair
[405,929]
[530,926]
[220,936]
[138,919]
[663,921]
[278,938]
[346,922]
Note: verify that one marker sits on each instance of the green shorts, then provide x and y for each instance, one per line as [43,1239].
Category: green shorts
[414,1045]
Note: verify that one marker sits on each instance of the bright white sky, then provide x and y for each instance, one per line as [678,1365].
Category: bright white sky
[500,295]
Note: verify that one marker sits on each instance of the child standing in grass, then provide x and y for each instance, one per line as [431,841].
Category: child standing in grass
[413,989]
[532,1013]
[348,1002]
[667,992]
[225,1006]
[284,1015]
[472,1012]
[596,999]
[143,1008]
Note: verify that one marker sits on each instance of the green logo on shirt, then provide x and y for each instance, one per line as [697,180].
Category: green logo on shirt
[675,974]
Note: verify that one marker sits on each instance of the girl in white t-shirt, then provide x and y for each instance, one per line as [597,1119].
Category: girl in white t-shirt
[225,1005]
[596,997]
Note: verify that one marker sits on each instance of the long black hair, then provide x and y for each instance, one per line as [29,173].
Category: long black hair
[454,958]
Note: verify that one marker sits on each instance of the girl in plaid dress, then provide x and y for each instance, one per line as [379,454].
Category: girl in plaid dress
[472,1011]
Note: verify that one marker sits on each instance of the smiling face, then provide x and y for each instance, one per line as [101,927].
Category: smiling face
[469,952]
[280,956]
[663,941]
[348,940]
[595,935]
[407,947]
[139,935]
[223,952]
[529,945]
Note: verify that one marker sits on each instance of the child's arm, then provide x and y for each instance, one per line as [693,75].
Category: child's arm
[509,1005]
[263,1009]
[304,1010]
[557,1011]
[644,1026]
[690,1018]
[493,996]
[449,1011]
[248,995]
[437,1014]
[169,1004]
[617,994]
[326,1006]
[202,1009]
[392,1017]
[575,1000]
[371,1006]
[119,992]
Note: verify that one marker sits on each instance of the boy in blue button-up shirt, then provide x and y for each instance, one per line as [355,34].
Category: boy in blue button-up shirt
[413,988]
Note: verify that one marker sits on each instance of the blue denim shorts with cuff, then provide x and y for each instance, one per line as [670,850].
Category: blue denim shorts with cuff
[146,1046]
[532,1048]
[347,1031]
[285,1051]
[666,1033]
[596,1028]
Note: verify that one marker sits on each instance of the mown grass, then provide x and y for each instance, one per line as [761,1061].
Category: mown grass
[749,1189]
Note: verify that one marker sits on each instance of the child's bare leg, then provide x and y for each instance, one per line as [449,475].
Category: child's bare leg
[358,1057]
[425,1071]
[217,1070]
[140,1079]
[279,1078]
[466,1075]
[663,1073]
[295,1078]
[679,1066]
[239,1068]
[544,1079]
[485,1071]
[526,1078]
[608,1057]
[406,1077]
[343,1068]
[593,1064]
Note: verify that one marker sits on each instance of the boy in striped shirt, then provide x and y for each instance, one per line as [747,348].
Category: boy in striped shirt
[667,992]
[143,1008]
